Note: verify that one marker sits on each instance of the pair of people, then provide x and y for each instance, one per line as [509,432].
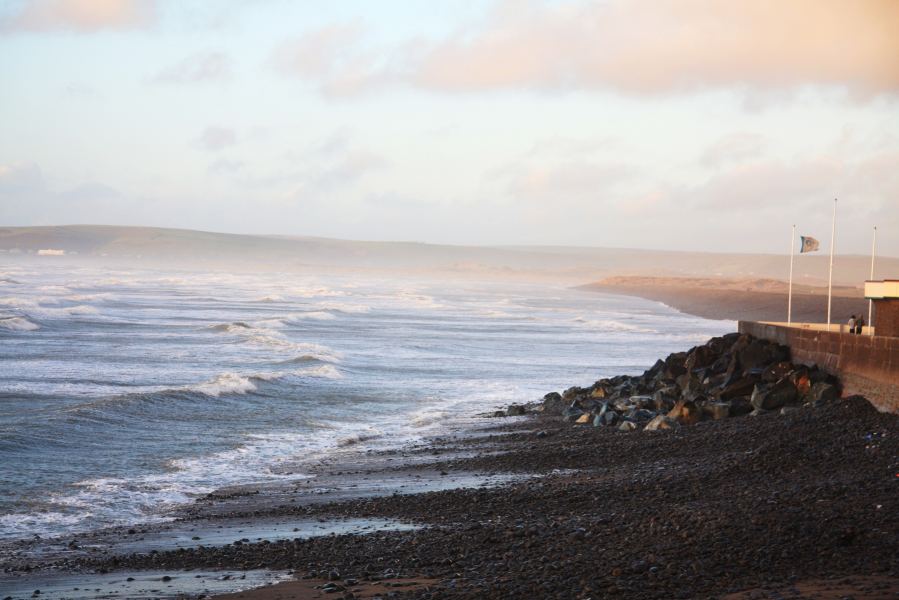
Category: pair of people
[856,324]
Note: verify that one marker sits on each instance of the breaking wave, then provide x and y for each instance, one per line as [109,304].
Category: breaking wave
[18,324]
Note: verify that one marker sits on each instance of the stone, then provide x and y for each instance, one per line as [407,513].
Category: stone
[665,398]
[661,423]
[717,410]
[598,392]
[641,401]
[686,412]
[583,419]
[773,396]
[740,406]
[777,371]
[553,403]
[515,410]
[572,414]
[788,409]
[740,387]
[609,418]
[641,415]
[627,426]
[499,413]
[821,393]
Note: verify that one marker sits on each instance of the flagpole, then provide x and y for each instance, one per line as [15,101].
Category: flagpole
[790,292]
[871,302]
[833,232]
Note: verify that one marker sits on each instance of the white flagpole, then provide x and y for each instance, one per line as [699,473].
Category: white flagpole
[790,292]
[833,232]
[871,302]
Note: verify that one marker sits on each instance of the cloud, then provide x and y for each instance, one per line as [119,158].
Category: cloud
[733,148]
[217,138]
[83,16]
[20,177]
[199,68]
[633,46]
[330,55]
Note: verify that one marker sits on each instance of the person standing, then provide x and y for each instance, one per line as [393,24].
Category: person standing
[859,325]
[851,324]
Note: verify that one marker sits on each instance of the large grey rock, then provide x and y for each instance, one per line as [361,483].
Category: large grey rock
[821,393]
[609,418]
[771,397]
[553,403]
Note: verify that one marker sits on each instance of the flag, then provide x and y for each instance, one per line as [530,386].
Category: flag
[808,244]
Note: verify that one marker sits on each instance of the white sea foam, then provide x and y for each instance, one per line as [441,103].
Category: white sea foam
[226,383]
[82,309]
[18,324]
[344,307]
[271,298]
[613,325]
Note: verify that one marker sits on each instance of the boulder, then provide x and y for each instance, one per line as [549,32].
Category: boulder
[640,415]
[777,371]
[572,414]
[665,398]
[740,387]
[515,410]
[717,410]
[608,418]
[553,403]
[598,392]
[822,393]
[686,412]
[773,396]
[641,401]
[740,406]
[660,423]
[627,426]
[584,419]
[699,358]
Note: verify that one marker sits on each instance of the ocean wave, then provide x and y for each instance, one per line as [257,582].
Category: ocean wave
[81,309]
[18,324]
[234,327]
[613,325]
[344,307]
[234,383]
[315,292]
[428,417]
[359,437]
[270,298]
[89,297]
[317,315]
[226,383]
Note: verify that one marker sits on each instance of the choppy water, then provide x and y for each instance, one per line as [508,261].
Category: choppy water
[124,393]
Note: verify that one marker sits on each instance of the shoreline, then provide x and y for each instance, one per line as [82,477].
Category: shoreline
[720,299]
[660,485]
[720,507]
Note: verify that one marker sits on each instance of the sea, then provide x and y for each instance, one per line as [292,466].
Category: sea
[126,393]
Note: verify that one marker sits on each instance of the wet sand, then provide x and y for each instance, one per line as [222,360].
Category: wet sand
[739,299]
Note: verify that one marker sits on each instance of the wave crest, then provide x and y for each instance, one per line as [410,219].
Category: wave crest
[18,324]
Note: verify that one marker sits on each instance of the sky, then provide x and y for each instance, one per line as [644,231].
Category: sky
[666,124]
